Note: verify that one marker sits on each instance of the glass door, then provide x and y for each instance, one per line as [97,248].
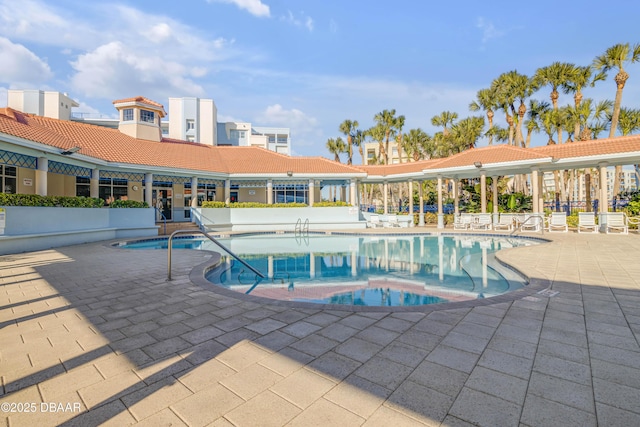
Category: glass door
[162,199]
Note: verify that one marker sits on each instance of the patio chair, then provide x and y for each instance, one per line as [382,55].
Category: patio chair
[587,222]
[462,221]
[505,222]
[617,222]
[532,222]
[391,221]
[374,221]
[558,222]
[482,221]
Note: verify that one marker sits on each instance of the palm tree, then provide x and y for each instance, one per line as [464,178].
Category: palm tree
[629,122]
[387,121]
[615,58]
[555,75]
[446,119]
[486,100]
[415,143]
[505,99]
[534,113]
[377,133]
[579,79]
[349,128]
[335,147]
[359,140]
[466,133]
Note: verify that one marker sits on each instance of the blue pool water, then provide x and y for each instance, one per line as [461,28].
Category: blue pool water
[369,270]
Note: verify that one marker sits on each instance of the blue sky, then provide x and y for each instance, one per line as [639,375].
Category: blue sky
[307,65]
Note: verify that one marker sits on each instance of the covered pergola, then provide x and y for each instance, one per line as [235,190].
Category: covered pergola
[505,160]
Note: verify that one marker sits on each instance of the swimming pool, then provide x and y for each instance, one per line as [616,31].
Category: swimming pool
[368,270]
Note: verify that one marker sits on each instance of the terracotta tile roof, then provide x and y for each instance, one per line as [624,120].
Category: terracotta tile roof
[399,168]
[620,144]
[489,155]
[141,100]
[113,146]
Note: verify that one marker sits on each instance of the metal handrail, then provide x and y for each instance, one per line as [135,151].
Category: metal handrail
[170,242]
[305,227]
[531,216]
[298,229]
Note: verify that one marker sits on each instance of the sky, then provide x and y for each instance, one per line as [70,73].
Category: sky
[307,65]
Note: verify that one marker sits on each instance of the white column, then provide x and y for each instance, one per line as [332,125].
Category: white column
[354,264]
[270,192]
[343,193]
[494,190]
[227,191]
[604,196]
[441,258]
[194,191]
[41,176]
[421,202]
[385,190]
[456,202]
[440,214]
[352,193]
[94,183]
[270,266]
[148,189]
[311,192]
[312,265]
[483,192]
[534,191]
[540,193]
[411,203]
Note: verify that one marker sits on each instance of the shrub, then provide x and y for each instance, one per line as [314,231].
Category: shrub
[213,204]
[266,205]
[49,201]
[326,204]
[128,204]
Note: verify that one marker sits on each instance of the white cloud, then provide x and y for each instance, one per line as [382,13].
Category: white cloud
[254,7]
[489,31]
[303,21]
[20,66]
[113,70]
[304,128]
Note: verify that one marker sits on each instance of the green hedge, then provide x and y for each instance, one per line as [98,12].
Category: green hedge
[128,204]
[266,205]
[326,204]
[214,204]
[50,201]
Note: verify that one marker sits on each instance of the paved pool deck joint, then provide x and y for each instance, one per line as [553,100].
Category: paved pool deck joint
[92,334]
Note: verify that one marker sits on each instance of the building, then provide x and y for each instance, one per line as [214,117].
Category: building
[42,103]
[193,119]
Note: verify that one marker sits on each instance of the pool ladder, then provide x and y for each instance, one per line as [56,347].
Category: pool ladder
[208,236]
[302,229]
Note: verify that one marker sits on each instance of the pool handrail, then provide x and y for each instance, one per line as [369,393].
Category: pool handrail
[530,217]
[213,239]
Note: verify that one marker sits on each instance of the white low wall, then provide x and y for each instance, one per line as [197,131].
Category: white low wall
[285,219]
[29,228]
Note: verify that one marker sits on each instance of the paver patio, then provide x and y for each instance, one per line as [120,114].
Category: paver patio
[99,336]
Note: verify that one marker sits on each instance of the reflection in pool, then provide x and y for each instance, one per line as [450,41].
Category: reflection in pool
[369,270]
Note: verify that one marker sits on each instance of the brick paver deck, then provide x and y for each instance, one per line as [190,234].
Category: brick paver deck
[92,334]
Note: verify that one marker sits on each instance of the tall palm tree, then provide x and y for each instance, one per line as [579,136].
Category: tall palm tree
[505,99]
[629,122]
[555,75]
[358,140]
[534,113]
[486,101]
[335,147]
[387,121]
[578,80]
[466,133]
[349,128]
[399,136]
[615,58]
[377,134]
[446,119]
[415,144]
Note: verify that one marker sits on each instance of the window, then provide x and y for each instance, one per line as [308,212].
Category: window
[127,115]
[147,116]
[112,189]
[282,140]
[191,124]
[191,138]
[83,187]
[288,193]
[237,134]
[8,179]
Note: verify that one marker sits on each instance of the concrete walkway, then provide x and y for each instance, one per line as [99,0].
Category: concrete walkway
[93,335]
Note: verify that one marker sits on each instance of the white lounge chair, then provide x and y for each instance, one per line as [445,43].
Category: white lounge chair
[374,221]
[532,223]
[558,222]
[617,222]
[391,221]
[482,221]
[462,221]
[505,222]
[587,222]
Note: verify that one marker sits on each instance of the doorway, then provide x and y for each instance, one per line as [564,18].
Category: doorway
[162,199]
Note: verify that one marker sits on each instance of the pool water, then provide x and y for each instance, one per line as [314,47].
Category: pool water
[399,270]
